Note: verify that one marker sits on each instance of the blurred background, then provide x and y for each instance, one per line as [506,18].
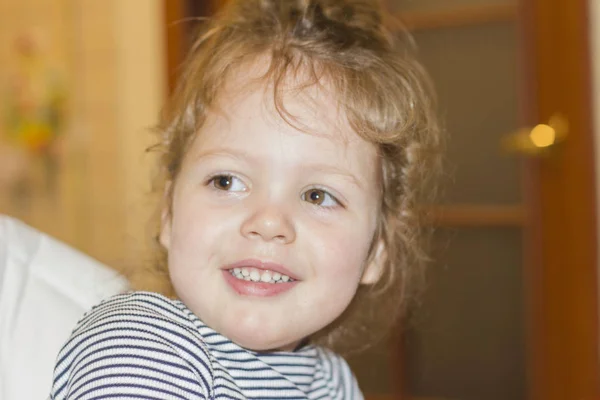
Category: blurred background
[510,310]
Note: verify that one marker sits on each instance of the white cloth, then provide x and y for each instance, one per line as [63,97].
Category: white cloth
[45,288]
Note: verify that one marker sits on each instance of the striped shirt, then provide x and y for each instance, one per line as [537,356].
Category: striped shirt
[143,345]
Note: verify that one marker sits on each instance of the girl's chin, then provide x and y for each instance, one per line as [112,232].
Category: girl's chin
[258,331]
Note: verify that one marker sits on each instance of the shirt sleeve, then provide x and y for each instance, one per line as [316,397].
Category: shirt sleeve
[123,350]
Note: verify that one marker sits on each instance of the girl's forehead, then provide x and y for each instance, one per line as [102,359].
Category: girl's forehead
[305,119]
[304,106]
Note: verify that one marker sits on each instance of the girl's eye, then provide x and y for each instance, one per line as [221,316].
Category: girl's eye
[228,183]
[320,197]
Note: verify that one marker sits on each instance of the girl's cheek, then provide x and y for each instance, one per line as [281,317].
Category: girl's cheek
[346,257]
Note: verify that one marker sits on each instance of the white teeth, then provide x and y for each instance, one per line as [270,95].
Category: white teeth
[265,277]
[255,275]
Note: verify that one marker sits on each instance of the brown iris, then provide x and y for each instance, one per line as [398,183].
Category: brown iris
[223,182]
[315,196]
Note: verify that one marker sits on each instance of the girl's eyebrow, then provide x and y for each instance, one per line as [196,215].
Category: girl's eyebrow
[224,152]
[246,157]
[333,170]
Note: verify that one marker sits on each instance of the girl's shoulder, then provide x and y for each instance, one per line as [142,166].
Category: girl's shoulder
[134,334]
[136,306]
[141,317]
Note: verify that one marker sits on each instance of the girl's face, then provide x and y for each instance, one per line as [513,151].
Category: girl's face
[296,212]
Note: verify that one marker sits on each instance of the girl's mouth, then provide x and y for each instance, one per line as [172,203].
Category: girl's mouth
[257,275]
[257,278]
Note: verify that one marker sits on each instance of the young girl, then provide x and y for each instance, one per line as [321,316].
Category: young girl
[295,152]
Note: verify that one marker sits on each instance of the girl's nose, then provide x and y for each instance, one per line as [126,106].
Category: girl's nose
[269,223]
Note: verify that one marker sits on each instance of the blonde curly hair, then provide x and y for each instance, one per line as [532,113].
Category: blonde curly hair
[382,90]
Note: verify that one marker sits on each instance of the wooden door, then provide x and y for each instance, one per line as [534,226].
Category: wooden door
[511,307]
[510,310]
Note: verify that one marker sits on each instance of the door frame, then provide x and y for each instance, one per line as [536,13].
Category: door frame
[562,278]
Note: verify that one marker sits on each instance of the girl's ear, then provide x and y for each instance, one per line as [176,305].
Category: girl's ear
[374,267]
[164,236]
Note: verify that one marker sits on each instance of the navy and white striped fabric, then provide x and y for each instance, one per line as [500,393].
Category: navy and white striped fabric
[145,346]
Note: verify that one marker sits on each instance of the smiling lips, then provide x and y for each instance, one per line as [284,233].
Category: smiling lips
[256,275]
[257,278]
